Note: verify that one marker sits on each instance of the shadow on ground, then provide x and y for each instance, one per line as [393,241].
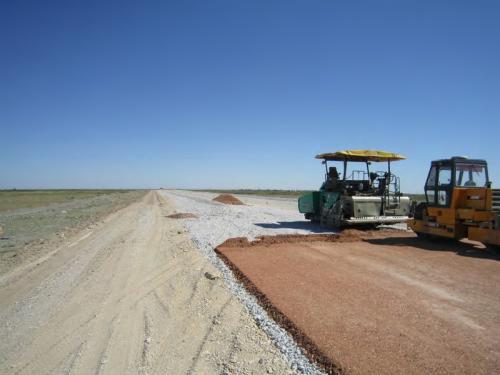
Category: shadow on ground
[473,250]
[304,225]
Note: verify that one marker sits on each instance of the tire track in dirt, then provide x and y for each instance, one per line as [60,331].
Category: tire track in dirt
[131,297]
[203,342]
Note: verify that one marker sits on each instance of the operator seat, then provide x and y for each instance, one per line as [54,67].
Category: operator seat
[332,181]
[383,182]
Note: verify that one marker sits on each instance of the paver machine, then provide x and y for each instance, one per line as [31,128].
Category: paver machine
[460,202]
[357,196]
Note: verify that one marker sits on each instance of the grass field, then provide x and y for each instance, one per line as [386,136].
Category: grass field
[13,199]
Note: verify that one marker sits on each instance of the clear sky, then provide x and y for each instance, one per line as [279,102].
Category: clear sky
[241,94]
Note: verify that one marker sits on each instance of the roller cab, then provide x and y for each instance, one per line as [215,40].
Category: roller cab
[460,202]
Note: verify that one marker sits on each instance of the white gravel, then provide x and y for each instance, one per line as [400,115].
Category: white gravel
[218,222]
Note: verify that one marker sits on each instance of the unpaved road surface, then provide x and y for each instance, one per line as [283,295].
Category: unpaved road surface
[218,222]
[389,304]
[128,296]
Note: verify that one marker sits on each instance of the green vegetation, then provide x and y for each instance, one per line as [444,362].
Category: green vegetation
[417,197]
[13,199]
[263,192]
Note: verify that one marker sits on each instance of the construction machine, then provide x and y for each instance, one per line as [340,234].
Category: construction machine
[359,197]
[460,202]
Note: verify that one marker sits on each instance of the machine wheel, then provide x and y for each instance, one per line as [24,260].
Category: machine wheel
[424,236]
[435,238]
[493,248]
[313,218]
[432,237]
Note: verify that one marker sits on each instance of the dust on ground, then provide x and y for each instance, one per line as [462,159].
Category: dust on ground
[228,199]
[378,302]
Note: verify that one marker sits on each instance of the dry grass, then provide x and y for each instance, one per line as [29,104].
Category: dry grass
[14,199]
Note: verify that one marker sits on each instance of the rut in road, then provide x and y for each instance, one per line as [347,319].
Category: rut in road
[131,297]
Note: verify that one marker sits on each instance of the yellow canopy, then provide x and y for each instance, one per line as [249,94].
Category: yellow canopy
[361,155]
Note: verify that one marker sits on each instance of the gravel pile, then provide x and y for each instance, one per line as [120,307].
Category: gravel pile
[227,199]
[217,223]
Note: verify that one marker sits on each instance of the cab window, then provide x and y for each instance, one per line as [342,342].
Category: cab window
[471,175]
[431,196]
[442,197]
[431,180]
[444,183]
[430,185]
[444,176]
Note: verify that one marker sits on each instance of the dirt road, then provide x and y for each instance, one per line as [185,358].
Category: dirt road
[128,296]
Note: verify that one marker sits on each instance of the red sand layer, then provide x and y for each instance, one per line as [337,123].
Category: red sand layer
[383,305]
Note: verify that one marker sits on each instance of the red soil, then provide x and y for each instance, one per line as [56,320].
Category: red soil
[381,302]
[348,235]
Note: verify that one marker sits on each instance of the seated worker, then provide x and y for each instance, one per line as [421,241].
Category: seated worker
[332,180]
[470,183]
[384,182]
[373,178]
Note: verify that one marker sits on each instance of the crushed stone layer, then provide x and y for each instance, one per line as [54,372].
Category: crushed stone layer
[379,302]
[217,223]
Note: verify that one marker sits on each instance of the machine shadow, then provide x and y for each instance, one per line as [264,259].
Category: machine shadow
[305,225]
[441,244]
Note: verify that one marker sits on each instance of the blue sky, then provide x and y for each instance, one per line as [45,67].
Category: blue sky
[223,94]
